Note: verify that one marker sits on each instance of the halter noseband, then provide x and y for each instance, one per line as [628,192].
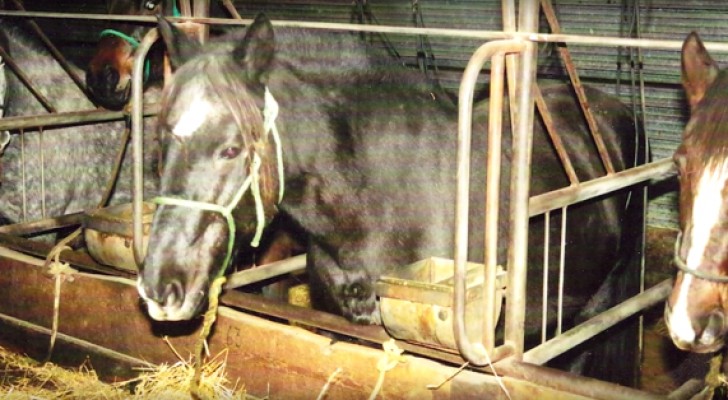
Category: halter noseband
[682,266]
[252,182]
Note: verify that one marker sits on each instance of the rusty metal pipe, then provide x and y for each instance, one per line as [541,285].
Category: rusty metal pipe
[476,353]
[201,9]
[552,200]
[67,118]
[585,40]
[267,271]
[520,176]
[137,140]
[592,327]
[492,199]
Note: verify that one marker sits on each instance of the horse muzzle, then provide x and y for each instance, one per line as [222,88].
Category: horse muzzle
[108,88]
[171,303]
[707,337]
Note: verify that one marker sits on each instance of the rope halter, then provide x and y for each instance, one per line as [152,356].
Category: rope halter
[251,182]
[682,266]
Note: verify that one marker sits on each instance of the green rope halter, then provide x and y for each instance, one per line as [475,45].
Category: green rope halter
[135,43]
[132,42]
[252,182]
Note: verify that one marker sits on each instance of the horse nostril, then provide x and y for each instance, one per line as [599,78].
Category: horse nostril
[173,294]
[714,326]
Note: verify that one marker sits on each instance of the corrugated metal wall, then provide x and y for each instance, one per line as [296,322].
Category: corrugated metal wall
[604,67]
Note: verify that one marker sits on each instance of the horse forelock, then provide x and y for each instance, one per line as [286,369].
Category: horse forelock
[209,91]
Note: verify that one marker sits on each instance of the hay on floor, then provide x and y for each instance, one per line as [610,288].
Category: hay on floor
[24,378]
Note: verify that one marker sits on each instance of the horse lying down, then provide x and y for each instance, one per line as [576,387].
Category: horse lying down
[357,151]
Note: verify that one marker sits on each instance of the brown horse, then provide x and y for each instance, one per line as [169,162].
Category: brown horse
[696,310]
[108,74]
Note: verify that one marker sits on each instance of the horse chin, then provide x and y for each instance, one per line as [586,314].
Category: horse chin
[698,347]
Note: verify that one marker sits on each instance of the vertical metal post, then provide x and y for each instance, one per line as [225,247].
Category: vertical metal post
[202,10]
[477,353]
[137,140]
[521,173]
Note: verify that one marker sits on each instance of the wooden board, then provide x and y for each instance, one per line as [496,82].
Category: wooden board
[269,358]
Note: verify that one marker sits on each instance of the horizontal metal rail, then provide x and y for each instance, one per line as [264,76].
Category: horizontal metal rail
[559,198]
[588,329]
[267,271]
[585,40]
[68,118]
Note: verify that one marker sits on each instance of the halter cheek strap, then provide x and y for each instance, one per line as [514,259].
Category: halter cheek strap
[682,266]
[252,182]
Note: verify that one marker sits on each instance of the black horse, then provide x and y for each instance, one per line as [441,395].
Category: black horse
[368,156]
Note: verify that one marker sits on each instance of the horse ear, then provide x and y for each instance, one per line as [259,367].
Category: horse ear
[698,69]
[255,52]
[179,47]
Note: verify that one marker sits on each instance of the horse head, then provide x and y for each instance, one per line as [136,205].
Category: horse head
[696,310]
[108,74]
[219,182]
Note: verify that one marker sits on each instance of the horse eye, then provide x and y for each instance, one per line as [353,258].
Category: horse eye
[230,152]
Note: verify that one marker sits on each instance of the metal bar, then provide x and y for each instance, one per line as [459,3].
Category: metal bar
[137,140]
[546,262]
[541,203]
[509,25]
[231,9]
[586,40]
[548,122]
[492,201]
[43,225]
[267,271]
[590,328]
[562,272]
[520,177]
[56,54]
[8,60]
[185,8]
[67,118]
[78,259]
[473,352]
[548,10]
[202,10]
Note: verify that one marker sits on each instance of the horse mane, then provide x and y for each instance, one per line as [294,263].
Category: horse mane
[707,138]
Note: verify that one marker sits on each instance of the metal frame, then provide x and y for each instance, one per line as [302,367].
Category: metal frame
[522,206]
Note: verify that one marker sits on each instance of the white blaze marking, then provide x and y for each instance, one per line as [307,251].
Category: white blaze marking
[193,117]
[706,211]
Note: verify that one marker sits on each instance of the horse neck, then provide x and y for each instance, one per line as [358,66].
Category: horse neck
[45,73]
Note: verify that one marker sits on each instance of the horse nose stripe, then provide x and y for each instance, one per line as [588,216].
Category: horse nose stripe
[679,323]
